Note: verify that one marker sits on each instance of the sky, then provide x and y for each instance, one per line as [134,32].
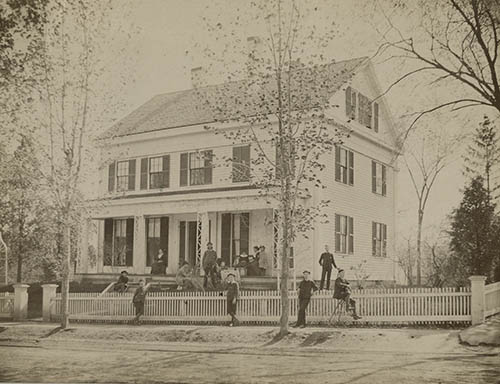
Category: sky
[160,32]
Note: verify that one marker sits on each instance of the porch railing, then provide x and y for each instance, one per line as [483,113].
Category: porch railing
[402,305]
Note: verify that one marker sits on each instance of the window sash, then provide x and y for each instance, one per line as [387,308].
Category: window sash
[241,164]
[122,176]
[200,168]
[119,257]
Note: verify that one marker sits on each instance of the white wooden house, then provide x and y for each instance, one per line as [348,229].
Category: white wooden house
[161,188]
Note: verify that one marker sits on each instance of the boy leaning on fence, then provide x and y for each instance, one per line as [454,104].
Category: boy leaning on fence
[139,300]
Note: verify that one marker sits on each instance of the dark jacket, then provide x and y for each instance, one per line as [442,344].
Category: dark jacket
[233,291]
[341,288]
[306,287]
[209,259]
[326,260]
[140,296]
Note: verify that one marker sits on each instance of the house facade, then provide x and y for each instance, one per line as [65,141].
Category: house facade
[164,184]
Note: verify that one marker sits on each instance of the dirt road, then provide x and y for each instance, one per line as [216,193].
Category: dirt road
[82,361]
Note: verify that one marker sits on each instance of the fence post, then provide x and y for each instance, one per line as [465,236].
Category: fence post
[477,299]
[20,301]
[49,293]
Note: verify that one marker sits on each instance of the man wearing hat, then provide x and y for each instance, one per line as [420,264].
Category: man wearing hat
[343,292]
[233,293]
[305,289]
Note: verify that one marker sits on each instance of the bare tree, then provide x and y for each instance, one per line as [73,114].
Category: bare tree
[425,158]
[457,42]
[280,110]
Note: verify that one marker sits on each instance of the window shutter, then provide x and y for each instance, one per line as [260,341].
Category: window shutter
[337,233]
[108,241]
[245,159]
[361,108]
[384,240]
[130,242]
[351,168]
[337,163]
[131,175]
[374,177]
[208,166]
[184,170]
[350,232]
[374,238]
[384,186]
[236,164]
[166,172]
[348,102]
[368,121]
[164,237]
[375,117]
[144,173]
[111,177]
[353,105]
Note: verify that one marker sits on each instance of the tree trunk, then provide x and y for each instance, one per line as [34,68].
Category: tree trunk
[419,247]
[66,268]
[19,276]
[285,245]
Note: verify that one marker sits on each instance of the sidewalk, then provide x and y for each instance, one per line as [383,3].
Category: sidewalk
[487,333]
[418,340]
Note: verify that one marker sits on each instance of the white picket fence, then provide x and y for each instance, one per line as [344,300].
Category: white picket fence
[492,299]
[6,304]
[401,305]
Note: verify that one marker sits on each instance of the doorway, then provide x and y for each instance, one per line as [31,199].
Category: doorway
[187,242]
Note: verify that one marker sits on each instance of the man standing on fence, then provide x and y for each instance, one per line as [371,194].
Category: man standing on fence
[326,261]
[305,289]
[233,293]
[139,300]
[208,263]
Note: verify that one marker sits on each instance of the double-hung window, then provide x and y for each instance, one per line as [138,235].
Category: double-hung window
[196,168]
[241,164]
[379,239]
[360,108]
[344,165]
[344,234]
[379,178]
[159,172]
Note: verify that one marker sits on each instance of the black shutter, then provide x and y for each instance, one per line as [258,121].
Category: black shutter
[166,172]
[208,166]
[236,165]
[351,168]
[130,243]
[384,186]
[374,238]
[245,161]
[353,105]
[108,242]
[184,170]
[337,163]
[182,242]
[226,238]
[337,233]
[131,175]
[374,177]
[361,102]
[350,235]
[348,102]
[111,177]
[368,122]
[375,117]
[384,240]
[164,237]
[144,173]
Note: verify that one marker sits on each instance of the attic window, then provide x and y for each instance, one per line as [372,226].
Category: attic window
[360,108]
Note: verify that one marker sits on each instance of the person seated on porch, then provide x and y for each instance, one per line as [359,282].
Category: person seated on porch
[122,284]
[253,266]
[343,292]
[183,277]
[263,260]
[159,266]
[243,259]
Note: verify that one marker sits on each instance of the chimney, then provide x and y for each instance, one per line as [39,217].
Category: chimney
[197,77]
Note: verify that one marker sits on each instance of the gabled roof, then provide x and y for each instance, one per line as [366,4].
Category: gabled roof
[311,87]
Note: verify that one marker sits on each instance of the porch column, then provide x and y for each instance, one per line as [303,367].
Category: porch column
[20,301]
[202,235]
[139,244]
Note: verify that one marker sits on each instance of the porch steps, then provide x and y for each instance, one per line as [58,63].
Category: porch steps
[161,282]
